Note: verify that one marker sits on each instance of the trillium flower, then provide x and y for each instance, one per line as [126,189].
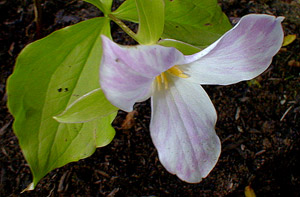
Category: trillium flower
[183,117]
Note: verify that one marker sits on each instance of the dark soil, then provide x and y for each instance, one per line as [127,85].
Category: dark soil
[258,121]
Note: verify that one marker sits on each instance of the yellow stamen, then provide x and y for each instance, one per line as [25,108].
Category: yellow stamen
[158,80]
[177,72]
[165,81]
[162,78]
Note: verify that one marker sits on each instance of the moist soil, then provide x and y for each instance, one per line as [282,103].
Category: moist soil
[258,121]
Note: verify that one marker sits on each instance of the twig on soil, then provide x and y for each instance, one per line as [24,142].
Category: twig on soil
[51,191]
[285,113]
[113,193]
[38,17]
[61,182]
[260,152]
[227,138]
[102,173]
[3,129]
[237,114]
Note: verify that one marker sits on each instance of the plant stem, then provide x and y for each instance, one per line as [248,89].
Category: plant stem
[123,26]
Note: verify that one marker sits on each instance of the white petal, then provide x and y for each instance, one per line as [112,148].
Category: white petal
[126,73]
[242,53]
[182,129]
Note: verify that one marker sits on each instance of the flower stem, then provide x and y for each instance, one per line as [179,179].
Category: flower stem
[123,26]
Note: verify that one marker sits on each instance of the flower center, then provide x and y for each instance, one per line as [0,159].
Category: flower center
[162,78]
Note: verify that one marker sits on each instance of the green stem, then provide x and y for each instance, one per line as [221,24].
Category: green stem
[123,26]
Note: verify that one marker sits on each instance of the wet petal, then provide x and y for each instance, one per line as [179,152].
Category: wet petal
[126,73]
[182,129]
[242,53]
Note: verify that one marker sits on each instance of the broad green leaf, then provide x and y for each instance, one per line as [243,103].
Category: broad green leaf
[105,133]
[88,107]
[49,75]
[197,22]
[151,20]
[185,48]
[103,5]
[127,11]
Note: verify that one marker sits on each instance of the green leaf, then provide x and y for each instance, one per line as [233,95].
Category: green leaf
[88,107]
[185,48]
[197,22]
[127,11]
[103,5]
[151,20]
[105,133]
[49,75]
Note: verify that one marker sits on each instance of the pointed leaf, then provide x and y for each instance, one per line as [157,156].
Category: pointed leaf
[49,75]
[88,107]
[197,22]
[103,5]
[127,11]
[151,20]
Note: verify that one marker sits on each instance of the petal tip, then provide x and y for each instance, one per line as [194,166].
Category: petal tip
[280,18]
[192,181]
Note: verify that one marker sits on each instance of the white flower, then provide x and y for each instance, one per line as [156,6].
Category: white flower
[183,117]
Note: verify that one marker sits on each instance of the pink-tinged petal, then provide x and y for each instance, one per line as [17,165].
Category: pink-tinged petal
[182,130]
[126,73]
[242,53]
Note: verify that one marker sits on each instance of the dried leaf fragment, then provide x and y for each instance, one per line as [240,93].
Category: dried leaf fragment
[294,63]
[249,192]
[289,39]
[129,121]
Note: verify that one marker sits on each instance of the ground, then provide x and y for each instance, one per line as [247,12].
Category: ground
[258,121]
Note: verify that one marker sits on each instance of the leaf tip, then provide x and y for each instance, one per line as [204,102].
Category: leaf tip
[58,118]
[30,187]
